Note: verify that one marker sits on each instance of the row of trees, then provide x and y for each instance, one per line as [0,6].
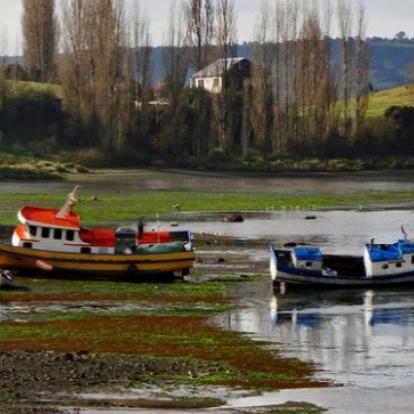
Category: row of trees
[298,101]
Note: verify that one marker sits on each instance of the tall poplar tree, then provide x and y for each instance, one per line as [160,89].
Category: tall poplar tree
[40,37]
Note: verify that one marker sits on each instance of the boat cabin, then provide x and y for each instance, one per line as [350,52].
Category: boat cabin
[309,258]
[44,229]
[60,231]
[389,259]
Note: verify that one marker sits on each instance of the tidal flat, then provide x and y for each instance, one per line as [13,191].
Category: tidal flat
[220,338]
[114,196]
[169,204]
[136,345]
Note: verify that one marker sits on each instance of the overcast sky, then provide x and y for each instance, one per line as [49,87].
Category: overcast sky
[385,18]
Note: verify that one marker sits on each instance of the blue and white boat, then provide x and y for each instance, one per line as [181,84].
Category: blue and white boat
[381,265]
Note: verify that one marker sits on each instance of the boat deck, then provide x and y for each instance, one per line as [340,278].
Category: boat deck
[345,266]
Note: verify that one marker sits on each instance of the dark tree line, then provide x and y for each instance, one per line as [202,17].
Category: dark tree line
[296,102]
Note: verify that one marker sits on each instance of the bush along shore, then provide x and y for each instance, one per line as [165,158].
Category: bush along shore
[28,167]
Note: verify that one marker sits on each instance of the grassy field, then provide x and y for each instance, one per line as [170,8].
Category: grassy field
[380,101]
[121,207]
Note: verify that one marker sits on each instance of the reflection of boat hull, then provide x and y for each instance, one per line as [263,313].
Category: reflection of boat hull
[283,271]
[131,266]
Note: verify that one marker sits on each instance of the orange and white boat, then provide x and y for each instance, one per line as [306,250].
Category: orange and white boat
[52,241]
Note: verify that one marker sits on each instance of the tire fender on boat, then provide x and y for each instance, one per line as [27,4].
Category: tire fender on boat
[273,263]
[42,265]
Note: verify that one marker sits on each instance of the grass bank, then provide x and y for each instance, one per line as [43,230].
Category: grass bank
[115,208]
[28,167]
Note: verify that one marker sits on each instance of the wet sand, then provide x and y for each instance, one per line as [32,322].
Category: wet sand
[112,181]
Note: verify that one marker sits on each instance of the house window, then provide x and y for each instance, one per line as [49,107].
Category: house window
[45,232]
[200,83]
[70,235]
[216,82]
[57,234]
[33,230]
[86,250]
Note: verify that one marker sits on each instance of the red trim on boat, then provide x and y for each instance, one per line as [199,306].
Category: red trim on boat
[98,237]
[22,233]
[48,217]
[155,237]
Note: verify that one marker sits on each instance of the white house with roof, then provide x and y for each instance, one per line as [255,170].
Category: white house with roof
[211,77]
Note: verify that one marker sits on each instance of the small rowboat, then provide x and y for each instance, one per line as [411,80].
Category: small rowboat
[381,265]
[52,242]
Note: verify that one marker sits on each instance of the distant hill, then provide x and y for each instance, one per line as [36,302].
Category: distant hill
[390,63]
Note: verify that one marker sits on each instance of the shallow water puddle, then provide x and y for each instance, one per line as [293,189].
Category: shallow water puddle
[334,231]
[358,338]
[32,310]
[339,400]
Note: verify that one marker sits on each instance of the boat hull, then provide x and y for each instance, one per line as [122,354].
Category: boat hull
[353,282]
[36,262]
[307,279]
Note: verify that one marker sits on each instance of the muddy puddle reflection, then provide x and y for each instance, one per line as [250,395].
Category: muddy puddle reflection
[358,338]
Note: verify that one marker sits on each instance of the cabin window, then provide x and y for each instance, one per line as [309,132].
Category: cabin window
[308,264]
[45,232]
[57,235]
[398,264]
[33,230]
[86,250]
[385,266]
[70,235]
[412,259]
[27,245]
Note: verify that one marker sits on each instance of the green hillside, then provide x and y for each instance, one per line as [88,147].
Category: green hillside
[380,101]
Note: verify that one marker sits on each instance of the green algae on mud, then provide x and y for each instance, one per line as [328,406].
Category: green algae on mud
[54,290]
[241,362]
[169,331]
[115,208]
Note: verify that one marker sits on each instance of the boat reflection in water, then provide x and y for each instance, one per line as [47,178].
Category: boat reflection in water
[304,316]
[362,337]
